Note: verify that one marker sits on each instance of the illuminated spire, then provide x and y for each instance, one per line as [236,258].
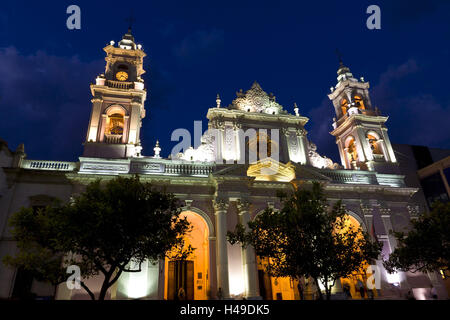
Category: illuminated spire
[157,150]
[218,101]
[296,110]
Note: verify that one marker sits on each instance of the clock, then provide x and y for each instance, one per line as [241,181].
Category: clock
[121,76]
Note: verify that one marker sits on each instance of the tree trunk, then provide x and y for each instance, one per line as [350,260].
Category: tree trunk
[316,281]
[105,287]
[87,290]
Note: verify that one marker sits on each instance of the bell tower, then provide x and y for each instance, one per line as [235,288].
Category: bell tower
[117,103]
[360,130]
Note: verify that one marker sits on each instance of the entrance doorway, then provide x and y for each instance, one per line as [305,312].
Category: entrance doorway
[357,281]
[191,274]
[181,276]
[272,288]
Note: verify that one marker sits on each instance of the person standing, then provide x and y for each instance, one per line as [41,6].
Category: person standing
[433,293]
[181,294]
[300,290]
[361,288]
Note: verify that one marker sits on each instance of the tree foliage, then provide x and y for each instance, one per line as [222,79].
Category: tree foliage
[101,231]
[426,247]
[308,238]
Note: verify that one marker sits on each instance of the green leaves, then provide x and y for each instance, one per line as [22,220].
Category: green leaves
[100,231]
[426,247]
[307,238]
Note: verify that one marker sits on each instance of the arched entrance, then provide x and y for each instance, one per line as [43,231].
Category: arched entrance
[192,274]
[272,288]
[358,279]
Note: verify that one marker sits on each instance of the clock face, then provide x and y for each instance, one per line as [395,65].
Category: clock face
[121,76]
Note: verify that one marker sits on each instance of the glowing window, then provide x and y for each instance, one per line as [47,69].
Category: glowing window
[351,149]
[373,141]
[359,103]
[115,124]
[344,106]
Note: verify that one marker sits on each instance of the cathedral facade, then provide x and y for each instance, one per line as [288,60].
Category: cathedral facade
[252,148]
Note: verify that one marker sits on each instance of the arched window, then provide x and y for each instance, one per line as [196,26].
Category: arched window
[373,139]
[344,106]
[115,124]
[359,102]
[350,146]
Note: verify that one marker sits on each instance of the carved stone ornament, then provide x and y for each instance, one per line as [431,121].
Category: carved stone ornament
[285,131]
[366,208]
[218,122]
[317,160]
[384,209]
[413,210]
[243,205]
[220,204]
[300,132]
[256,100]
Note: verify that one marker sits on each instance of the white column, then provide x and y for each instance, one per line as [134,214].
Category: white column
[221,207]
[359,144]
[342,153]
[126,122]
[103,128]
[386,217]
[94,122]
[248,255]
[388,145]
[303,145]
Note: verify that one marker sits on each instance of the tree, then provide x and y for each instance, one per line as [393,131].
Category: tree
[308,238]
[103,231]
[426,247]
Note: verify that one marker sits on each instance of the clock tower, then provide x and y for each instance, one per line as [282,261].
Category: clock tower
[117,103]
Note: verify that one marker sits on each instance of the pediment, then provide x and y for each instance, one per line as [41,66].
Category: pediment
[271,170]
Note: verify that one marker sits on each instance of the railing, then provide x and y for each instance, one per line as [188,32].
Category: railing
[48,165]
[350,176]
[189,169]
[113,138]
[367,112]
[119,84]
[336,176]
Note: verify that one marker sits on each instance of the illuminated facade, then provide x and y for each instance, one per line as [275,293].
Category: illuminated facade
[230,178]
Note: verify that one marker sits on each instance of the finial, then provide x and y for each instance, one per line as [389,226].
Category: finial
[157,150]
[339,55]
[130,21]
[362,79]
[218,101]
[331,89]
[20,148]
[112,42]
[296,109]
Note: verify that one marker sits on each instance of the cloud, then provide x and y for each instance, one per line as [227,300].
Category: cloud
[389,80]
[414,116]
[319,129]
[45,102]
[199,44]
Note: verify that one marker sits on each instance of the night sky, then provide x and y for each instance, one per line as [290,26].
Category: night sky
[196,49]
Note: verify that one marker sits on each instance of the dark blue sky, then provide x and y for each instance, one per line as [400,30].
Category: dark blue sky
[196,49]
